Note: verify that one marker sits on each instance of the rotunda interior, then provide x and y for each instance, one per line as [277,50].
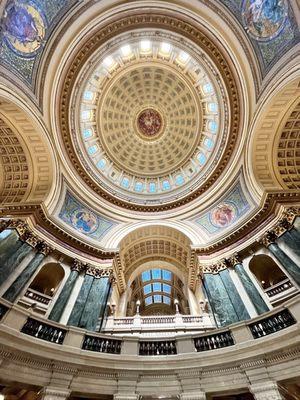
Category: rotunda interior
[150,200]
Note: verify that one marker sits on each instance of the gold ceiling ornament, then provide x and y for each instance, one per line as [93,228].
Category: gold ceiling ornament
[121,187]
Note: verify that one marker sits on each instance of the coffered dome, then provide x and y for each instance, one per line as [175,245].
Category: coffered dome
[150,115]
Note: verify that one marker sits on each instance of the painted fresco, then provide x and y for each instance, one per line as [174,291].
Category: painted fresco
[84,220]
[26,27]
[271,27]
[226,213]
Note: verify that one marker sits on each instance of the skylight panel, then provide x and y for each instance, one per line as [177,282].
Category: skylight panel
[156,287]
[146,276]
[156,274]
[147,289]
[167,275]
[148,300]
[166,300]
[166,288]
[157,298]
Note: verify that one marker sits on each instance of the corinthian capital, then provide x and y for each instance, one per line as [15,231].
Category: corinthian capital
[77,265]
[44,248]
[268,238]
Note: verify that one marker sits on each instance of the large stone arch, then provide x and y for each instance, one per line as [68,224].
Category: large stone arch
[274,116]
[28,164]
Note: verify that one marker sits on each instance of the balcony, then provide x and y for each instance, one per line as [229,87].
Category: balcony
[281,291]
[164,324]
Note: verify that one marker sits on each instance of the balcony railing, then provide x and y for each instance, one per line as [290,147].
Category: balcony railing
[37,296]
[3,310]
[212,342]
[279,288]
[19,320]
[101,345]
[157,348]
[162,323]
[272,324]
[44,331]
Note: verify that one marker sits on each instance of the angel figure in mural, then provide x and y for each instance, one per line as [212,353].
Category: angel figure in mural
[223,215]
[264,19]
[23,26]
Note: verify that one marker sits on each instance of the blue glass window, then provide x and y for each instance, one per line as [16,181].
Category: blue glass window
[166,300]
[147,289]
[125,182]
[156,274]
[207,88]
[167,275]
[201,158]
[88,95]
[166,288]
[146,276]
[157,298]
[166,185]
[156,287]
[138,187]
[152,187]
[87,133]
[212,107]
[148,300]
[213,126]
[209,144]
[179,180]
[101,164]
[86,115]
[92,150]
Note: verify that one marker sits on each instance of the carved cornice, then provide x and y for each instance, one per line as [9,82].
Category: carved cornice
[137,21]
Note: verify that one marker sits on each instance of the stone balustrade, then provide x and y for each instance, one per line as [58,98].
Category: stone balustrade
[283,317]
[280,290]
[162,323]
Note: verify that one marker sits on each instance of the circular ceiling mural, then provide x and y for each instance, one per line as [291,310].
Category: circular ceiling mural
[151,115]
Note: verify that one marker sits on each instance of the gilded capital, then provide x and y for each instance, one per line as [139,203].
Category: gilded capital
[269,238]
[77,265]
[44,248]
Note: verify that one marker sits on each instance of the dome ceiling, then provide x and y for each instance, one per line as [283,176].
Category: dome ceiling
[151,115]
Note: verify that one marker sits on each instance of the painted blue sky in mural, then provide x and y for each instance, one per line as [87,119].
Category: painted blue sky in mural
[26,25]
[84,220]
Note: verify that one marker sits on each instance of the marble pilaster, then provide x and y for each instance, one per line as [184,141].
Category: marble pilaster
[78,308]
[292,269]
[234,296]
[266,391]
[291,239]
[219,299]
[21,281]
[9,245]
[65,294]
[11,263]
[254,295]
[96,303]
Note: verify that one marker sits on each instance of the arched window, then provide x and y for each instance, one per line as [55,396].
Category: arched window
[48,279]
[266,271]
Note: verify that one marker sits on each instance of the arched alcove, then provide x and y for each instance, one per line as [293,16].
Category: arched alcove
[48,279]
[266,271]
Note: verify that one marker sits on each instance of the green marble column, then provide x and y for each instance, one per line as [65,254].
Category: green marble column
[12,262]
[234,296]
[255,297]
[81,299]
[95,304]
[291,239]
[9,245]
[288,264]
[219,300]
[65,294]
[21,281]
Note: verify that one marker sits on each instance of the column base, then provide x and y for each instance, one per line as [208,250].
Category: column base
[192,396]
[265,391]
[122,396]
[53,393]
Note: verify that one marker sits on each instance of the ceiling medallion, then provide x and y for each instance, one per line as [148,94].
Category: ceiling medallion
[149,123]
